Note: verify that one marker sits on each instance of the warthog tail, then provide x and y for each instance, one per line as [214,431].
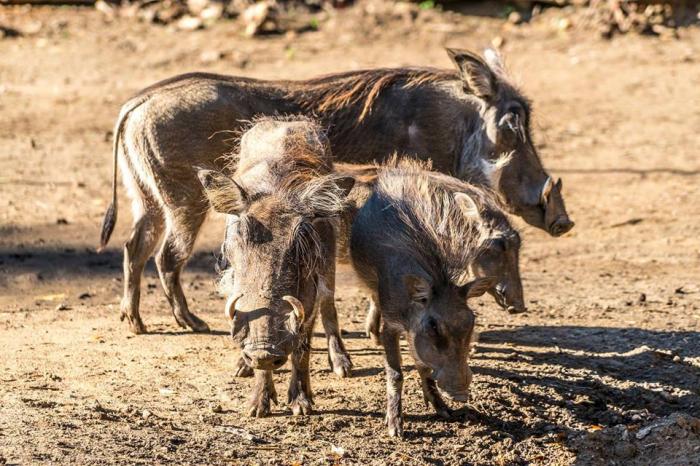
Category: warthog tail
[110,218]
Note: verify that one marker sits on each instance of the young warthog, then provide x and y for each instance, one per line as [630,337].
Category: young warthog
[281,204]
[460,119]
[410,244]
[499,247]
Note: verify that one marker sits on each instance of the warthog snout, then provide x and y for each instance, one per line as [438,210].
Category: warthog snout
[264,358]
[452,386]
[510,298]
[562,224]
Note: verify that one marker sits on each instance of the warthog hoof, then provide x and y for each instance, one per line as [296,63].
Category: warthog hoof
[340,363]
[260,404]
[395,425]
[191,321]
[301,405]
[242,369]
[135,323]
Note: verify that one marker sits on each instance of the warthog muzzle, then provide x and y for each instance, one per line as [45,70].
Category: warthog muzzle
[561,225]
[264,358]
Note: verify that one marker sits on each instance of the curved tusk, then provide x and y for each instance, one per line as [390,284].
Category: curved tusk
[546,189]
[230,309]
[297,306]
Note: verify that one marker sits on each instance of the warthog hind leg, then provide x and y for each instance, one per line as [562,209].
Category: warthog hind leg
[263,393]
[242,369]
[147,230]
[373,321]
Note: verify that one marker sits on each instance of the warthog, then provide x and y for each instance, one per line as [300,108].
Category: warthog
[281,203]
[456,118]
[499,254]
[410,243]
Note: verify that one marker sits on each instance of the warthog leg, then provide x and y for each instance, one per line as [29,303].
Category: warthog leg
[338,357]
[394,381]
[299,396]
[431,394]
[147,230]
[242,369]
[373,321]
[263,393]
[176,249]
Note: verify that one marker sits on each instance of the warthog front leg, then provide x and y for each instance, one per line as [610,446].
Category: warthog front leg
[373,321]
[338,357]
[394,381]
[432,395]
[176,249]
[299,396]
[263,393]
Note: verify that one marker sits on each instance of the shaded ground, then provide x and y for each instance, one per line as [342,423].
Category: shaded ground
[612,333]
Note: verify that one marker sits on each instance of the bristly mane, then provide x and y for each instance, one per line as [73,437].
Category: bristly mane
[299,180]
[360,89]
[437,232]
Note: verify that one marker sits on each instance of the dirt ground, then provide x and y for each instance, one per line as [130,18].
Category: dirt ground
[610,343]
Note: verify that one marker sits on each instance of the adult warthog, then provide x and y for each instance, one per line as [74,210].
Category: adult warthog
[459,119]
[281,202]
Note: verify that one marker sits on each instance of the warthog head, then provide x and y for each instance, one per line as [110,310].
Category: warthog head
[527,189]
[275,243]
[440,330]
[499,250]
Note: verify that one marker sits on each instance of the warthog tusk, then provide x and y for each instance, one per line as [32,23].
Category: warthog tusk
[297,306]
[230,309]
[546,189]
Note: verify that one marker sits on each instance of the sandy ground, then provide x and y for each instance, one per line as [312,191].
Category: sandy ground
[611,338]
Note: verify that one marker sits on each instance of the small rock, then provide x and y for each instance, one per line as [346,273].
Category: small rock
[62,307]
[498,42]
[85,295]
[105,8]
[61,221]
[217,409]
[146,414]
[197,6]
[212,13]
[189,23]
[210,56]
[515,18]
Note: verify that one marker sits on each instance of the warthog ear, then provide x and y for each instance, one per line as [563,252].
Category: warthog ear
[224,194]
[467,205]
[559,184]
[476,74]
[477,287]
[418,288]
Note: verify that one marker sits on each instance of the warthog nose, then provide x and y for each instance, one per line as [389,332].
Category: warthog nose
[264,359]
[516,310]
[560,226]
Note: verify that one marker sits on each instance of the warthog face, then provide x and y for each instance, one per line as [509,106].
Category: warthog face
[274,246]
[500,258]
[440,330]
[527,188]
